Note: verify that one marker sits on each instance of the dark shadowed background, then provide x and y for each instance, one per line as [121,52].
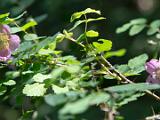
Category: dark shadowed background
[54,16]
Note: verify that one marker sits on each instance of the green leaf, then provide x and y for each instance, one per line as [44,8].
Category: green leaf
[27,72]
[12,74]
[30,36]
[25,46]
[77,23]
[4,15]
[138,21]
[28,25]
[9,83]
[35,89]
[15,29]
[153,27]
[106,45]
[123,68]
[83,104]
[45,42]
[133,87]
[73,68]
[45,51]
[94,19]
[135,29]
[92,33]
[59,90]
[138,62]
[54,100]
[124,28]
[89,10]
[129,98]
[77,15]
[134,66]
[4,18]
[57,72]
[40,77]
[117,53]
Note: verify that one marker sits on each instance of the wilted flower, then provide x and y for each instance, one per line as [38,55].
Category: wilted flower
[8,42]
[153,68]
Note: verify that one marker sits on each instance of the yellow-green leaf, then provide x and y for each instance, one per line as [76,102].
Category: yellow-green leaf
[77,15]
[103,45]
[92,33]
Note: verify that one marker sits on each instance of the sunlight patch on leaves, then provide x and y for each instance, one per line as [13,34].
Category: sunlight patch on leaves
[35,89]
[77,15]
[106,45]
[117,53]
[40,77]
[59,90]
[92,33]
[9,83]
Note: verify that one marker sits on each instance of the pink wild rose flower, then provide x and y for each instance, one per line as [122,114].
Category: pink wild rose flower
[153,68]
[8,42]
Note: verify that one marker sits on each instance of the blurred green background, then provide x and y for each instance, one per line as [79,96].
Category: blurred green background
[54,16]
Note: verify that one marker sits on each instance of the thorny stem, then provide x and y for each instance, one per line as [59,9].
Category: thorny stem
[126,79]
[117,72]
[109,115]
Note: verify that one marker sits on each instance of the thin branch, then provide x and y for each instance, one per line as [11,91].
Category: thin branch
[125,78]
[116,71]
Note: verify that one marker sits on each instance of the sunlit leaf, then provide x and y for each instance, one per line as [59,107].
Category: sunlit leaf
[4,15]
[30,36]
[28,25]
[77,23]
[117,53]
[35,89]
[15,29]
[45,51]
[59,90]
[40,77]
[77,15]
[106,45]
[92,33]
[138,21]
[9,83]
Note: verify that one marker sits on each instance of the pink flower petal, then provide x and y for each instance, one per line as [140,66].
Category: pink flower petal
[6,29]
[5,54]
[14,42]
[152,65]
[152,80]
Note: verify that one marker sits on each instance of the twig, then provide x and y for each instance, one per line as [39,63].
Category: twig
[116,71]
[126,79]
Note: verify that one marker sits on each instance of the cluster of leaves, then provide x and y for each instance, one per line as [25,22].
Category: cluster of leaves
[41,70]
[138,25]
